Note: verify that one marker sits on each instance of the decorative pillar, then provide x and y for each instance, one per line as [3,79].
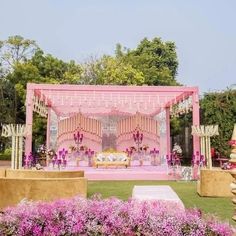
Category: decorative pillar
[100,129]
[205,133]
[63,126]
[168,131]
[130,124]
[196,121]
[17,132]
[29,121]
[48,128]
[121,126]
[76,122]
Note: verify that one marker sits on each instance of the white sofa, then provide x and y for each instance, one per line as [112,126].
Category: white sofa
[111,159]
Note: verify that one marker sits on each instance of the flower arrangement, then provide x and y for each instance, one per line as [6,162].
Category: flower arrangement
[83,148]
[130,151]
[113,217]
[72,149]
[42,155]
[177,149]
[42,149]
[28,161]
[50,153]
[232,143]
[60,159]
[145,147]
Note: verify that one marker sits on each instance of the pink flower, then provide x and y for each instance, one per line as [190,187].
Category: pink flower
[113,217]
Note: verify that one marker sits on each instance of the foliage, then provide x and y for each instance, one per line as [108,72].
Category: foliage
[176,125]
[153,62]
[112,216]
[54,70]
[4,157]
[7,151]
[109,70]
[15,50]
[6,101]
[21,62]
[220,108]
[157,61]
[39,130]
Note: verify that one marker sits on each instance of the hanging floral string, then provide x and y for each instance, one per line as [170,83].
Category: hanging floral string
[182,107]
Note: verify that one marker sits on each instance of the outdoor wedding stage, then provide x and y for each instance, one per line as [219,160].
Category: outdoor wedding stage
[147,169]
[120,132]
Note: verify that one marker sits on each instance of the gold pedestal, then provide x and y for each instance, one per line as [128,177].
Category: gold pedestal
[233,190]
[233,158]
[233,166]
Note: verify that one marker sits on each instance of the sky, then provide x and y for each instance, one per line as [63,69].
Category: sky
[204,31]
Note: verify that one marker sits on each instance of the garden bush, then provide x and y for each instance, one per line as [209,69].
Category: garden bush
[111,216]
[5,157]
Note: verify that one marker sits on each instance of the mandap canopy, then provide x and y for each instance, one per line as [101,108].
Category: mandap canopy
[109,115]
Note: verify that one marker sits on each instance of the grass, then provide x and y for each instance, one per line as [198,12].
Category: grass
[5,157]
[221,207]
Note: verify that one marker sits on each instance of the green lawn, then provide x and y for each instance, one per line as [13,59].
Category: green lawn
[222,207]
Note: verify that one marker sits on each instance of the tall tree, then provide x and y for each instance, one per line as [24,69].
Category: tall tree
[110,70]
[54,70]
[157,60]
[40,68]
[15,50]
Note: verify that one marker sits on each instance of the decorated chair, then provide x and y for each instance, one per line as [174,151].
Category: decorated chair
[111,159]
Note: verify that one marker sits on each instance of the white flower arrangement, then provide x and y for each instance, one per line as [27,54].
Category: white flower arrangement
[177,149]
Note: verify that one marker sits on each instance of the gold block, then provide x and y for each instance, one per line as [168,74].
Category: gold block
[2,172]
[215,183]
[43,174]
[13,190]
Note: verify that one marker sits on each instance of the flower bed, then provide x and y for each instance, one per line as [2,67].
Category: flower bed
[112,216]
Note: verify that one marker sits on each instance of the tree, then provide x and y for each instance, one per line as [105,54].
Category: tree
[110,70]
[157,61]
[40,68]
[54,70]
[21,62]
[16,49]
[220,108]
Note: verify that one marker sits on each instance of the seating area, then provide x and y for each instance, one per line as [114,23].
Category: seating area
[111,159]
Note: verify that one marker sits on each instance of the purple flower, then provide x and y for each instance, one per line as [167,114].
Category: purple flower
[113,217]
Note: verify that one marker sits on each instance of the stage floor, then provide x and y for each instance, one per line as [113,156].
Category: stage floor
[121,173]
[131,173]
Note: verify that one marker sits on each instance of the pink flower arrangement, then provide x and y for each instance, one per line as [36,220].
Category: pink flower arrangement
[232,142]
[113,217]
